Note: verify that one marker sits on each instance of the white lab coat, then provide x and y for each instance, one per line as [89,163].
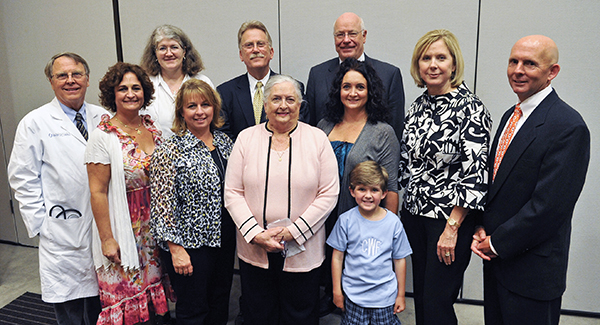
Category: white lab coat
[46,168]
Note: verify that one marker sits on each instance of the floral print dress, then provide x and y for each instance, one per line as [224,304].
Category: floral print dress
[128,296]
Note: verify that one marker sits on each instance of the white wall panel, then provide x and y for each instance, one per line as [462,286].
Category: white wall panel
[32,32]
[393,28]
[211,25]
[574,27]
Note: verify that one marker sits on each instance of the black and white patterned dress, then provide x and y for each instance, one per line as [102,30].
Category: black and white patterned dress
[443,153]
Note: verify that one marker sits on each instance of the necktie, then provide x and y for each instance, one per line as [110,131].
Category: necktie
[257,103]
[506,137]
[80,126]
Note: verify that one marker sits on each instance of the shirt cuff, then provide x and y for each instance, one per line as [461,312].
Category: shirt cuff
[492,247]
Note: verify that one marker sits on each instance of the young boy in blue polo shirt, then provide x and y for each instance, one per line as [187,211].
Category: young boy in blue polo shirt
[369,288]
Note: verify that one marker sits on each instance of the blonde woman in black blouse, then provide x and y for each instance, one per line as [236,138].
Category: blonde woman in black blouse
[443,169]
[189,222]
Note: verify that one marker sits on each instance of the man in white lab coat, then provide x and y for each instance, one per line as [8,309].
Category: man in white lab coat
[48,174]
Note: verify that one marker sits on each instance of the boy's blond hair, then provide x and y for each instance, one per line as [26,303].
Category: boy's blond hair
[369,173]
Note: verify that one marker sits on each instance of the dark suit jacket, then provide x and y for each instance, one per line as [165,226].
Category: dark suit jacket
[237,108]
[321,77]
[530,204]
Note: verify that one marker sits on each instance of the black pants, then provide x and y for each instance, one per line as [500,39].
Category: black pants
[503,307]
[203,297]
[435,284]
[82,311]
[274,297]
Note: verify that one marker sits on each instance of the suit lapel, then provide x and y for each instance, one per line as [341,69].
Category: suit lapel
[521,141]
[245,99]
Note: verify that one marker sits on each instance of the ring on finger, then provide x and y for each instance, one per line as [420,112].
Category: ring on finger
[447,254]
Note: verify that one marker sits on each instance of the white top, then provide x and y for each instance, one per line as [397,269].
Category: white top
[162,108]
[105,148]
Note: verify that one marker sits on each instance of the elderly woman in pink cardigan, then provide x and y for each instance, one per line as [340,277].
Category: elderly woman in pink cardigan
[280,186]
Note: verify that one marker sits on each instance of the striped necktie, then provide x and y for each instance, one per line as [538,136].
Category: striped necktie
[81,126]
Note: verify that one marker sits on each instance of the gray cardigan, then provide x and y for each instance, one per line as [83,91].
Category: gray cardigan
[376,142]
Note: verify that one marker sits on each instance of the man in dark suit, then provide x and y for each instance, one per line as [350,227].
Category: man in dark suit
[350,35]
[242,96]
[535,182]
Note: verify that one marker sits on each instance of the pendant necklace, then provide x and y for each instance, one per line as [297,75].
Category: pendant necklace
[132,128]
[280,155]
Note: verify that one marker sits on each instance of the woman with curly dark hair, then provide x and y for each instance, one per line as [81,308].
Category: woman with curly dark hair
[355,123]
[125,255]
[170,59]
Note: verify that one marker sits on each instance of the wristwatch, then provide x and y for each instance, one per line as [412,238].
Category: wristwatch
[453,223]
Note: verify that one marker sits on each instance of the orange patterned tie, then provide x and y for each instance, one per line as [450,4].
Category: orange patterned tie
[506,137]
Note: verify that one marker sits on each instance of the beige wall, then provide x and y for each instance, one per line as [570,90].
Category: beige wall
[31,32]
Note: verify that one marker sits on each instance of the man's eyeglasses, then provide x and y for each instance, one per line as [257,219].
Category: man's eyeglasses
[353,34]
[250,45]
[64,76]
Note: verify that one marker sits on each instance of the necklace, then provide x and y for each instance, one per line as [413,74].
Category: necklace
[280,155]
[131,128]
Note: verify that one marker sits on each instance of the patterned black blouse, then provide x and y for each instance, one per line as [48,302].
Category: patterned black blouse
[443,154]
[187,191]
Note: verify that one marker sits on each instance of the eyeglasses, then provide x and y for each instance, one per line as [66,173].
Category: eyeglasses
[250,45]
[164,49]
[353,34]
[65,75]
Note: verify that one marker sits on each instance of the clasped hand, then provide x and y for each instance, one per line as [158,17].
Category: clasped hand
[481,245]
[272,239]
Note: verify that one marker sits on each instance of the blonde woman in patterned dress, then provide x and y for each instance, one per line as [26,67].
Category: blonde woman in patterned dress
[125,255]
[443,170]
[190,224]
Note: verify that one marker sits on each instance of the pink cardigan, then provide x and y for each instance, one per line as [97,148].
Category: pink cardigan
[314,192]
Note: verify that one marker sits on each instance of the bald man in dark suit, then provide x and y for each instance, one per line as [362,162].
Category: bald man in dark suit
[537,177]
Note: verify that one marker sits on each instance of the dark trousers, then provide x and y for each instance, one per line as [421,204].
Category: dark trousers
[203,297]
[435,284]
[503,307]
[78,311]
[274,297]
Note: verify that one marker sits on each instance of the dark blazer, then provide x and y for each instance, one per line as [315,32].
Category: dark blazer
[530,204]
[237,108]
[320,79]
